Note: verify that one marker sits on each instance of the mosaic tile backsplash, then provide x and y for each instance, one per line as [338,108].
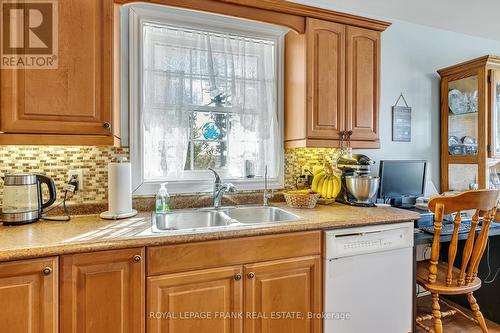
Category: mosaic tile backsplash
[296,158]
[56,161]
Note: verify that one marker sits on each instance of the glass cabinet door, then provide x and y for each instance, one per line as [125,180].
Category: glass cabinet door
[463,117]
[463,177]
[495,114]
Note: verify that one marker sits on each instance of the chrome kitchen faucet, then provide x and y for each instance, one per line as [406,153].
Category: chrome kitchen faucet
[220,189]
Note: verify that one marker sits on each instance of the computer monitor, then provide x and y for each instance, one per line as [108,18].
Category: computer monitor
[402,180]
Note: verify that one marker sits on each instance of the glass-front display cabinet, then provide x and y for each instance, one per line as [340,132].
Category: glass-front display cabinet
[495,113]
[470,124]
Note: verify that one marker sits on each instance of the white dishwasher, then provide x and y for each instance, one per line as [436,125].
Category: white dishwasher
[368,279]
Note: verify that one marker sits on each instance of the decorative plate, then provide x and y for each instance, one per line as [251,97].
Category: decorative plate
[456,102]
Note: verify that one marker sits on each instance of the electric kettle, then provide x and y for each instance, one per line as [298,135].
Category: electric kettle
[23,198]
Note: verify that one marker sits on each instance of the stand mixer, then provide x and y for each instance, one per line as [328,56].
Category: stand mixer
[358,186]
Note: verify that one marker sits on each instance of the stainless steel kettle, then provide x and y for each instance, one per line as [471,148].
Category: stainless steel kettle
[23,198]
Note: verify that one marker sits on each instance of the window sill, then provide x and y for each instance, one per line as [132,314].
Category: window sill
[198,186]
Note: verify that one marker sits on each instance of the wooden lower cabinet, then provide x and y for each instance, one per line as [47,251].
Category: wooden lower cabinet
[198,301]
[103,292]
[281,295]
[239,285]
[268,297]
[28,296]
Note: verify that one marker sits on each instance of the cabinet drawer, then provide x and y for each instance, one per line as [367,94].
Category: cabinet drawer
[185,257]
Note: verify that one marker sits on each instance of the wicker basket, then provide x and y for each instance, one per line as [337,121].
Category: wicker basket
[302,200]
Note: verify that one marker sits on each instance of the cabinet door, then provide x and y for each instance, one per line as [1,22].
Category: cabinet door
[494,115]
[199,301]
[103,292]
[28,296]
[75,97]
[326,79]
[363,77]
[281,295]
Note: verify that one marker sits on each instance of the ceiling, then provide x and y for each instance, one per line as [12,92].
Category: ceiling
[480,18]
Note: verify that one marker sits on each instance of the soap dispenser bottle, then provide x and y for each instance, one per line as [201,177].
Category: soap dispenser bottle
[162,199]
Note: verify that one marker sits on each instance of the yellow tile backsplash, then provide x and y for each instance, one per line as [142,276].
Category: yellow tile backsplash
[297,157]
[56,161]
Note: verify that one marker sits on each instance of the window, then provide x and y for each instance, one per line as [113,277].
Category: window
[204,93]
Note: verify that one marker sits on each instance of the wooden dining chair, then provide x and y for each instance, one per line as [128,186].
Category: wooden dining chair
[443,278]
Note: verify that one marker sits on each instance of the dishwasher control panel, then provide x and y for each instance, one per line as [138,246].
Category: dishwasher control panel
[356,241]
[363,244]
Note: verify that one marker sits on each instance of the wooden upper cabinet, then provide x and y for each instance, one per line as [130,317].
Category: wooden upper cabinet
[326,83]
[290,287]
[76,97]
[332,83]
[103,292]
[363,80]
[216,293]
[29,296]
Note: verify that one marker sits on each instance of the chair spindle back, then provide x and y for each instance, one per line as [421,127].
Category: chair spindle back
[484,202]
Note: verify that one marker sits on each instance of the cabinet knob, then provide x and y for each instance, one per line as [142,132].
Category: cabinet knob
[47,271]
[107,125]
[137,258]
[251,275]
[237,277]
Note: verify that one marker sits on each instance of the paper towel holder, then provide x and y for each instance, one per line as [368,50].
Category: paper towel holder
[117,174]
[107,215]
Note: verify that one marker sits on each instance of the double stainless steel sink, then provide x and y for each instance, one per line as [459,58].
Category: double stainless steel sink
[225,217]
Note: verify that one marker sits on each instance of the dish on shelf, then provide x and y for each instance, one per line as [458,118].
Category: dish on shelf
[453,140]
[462,149]
[472,101]
[468,140]
[462,103]
[456,102]
[465,146]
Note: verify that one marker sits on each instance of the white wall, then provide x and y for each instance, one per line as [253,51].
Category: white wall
[411,54]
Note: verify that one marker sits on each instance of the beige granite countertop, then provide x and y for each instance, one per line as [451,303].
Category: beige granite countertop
[90,233]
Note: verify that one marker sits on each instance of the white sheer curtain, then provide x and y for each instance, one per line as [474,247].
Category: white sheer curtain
[183,70]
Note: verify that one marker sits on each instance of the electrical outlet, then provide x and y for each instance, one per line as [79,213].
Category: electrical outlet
[423,252]
[306,170]
[301,181]
[78,173]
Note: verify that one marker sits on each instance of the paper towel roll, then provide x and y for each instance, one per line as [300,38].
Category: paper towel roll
[119,189]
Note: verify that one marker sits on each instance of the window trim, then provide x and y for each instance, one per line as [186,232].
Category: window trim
[133,18]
